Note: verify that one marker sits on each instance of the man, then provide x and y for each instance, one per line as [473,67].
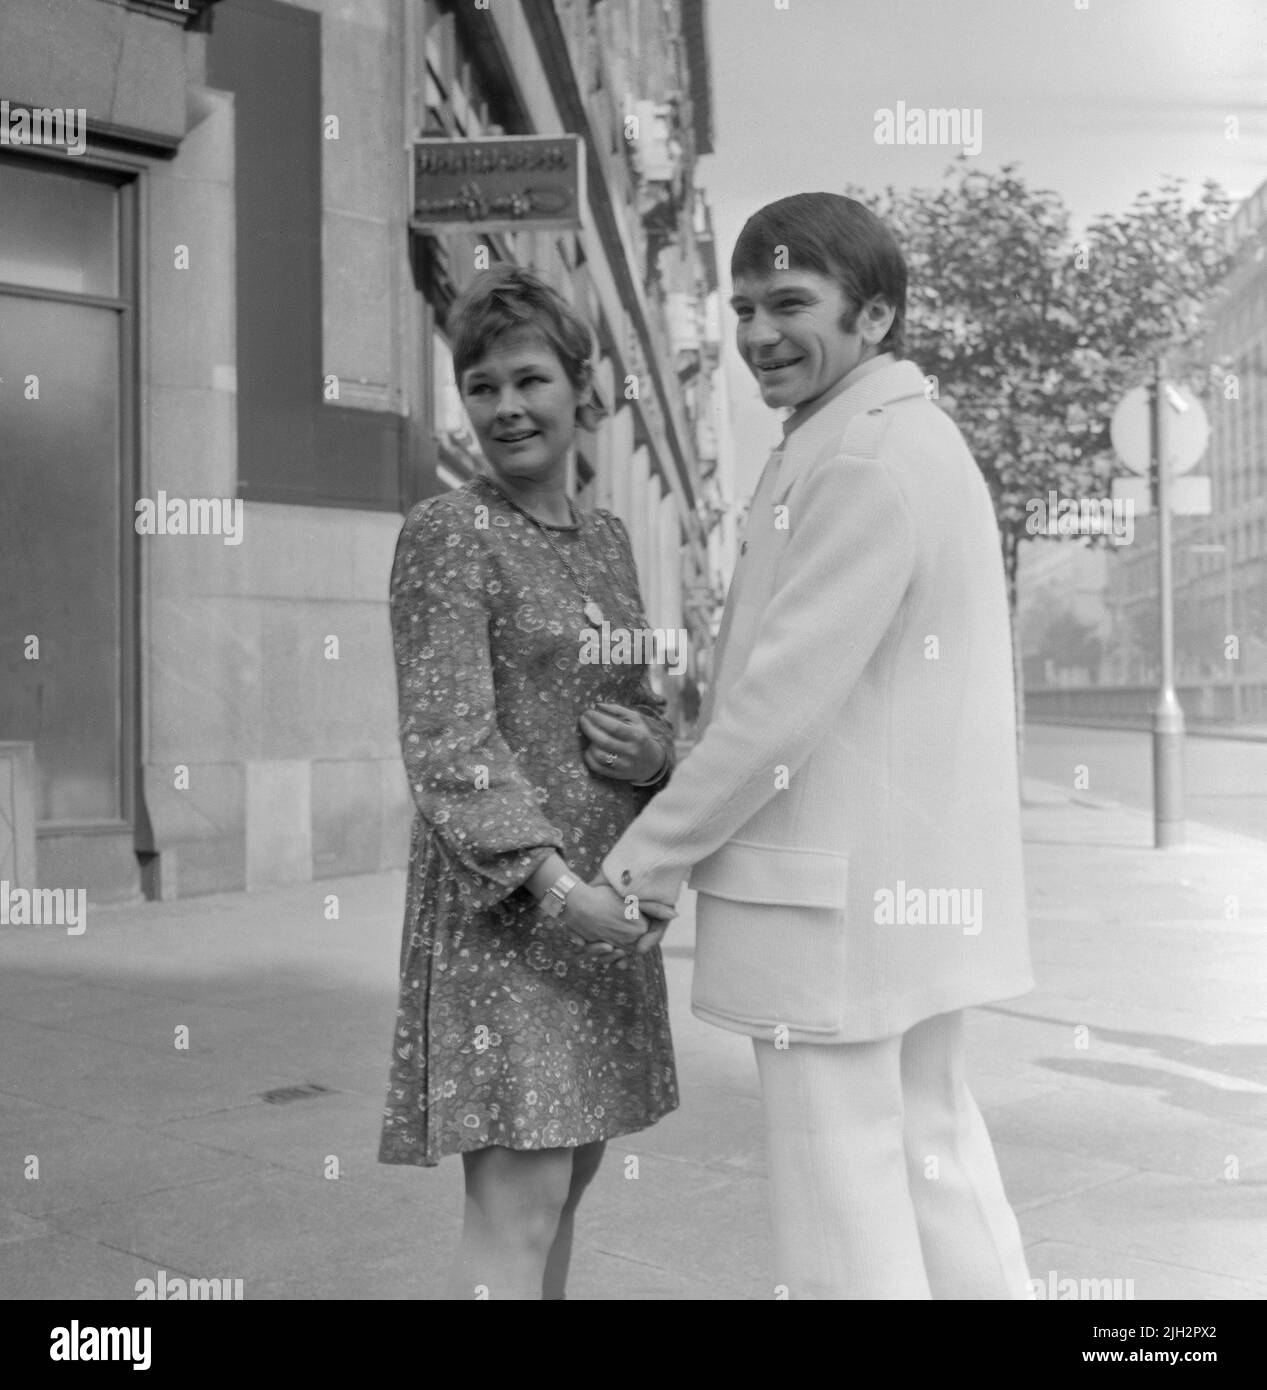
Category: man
[850,812]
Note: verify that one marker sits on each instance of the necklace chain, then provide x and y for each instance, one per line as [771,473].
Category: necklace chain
[584,585]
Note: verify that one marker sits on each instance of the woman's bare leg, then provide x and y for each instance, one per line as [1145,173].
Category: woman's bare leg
[514,1202]
[585,1162]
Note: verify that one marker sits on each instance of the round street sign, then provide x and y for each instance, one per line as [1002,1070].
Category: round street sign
[1185,428]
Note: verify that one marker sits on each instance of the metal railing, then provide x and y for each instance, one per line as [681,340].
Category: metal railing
[1205,702]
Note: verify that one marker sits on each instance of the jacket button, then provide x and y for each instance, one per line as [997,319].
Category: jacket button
[625,877]
[879,410]
[743,549]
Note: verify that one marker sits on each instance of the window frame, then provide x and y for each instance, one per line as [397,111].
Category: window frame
[127,175]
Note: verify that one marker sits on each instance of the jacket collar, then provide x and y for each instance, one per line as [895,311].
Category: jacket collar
[876,383]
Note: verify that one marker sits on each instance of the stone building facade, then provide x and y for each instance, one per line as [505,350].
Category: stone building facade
[216,321]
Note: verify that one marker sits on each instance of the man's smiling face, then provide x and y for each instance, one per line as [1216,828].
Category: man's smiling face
[790,334]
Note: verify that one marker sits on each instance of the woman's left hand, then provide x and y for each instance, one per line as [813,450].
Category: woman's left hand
[621,744]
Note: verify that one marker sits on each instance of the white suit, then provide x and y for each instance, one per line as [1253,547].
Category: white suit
[850,819]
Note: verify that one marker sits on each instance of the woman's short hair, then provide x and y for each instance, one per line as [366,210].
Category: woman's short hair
[507,299]
[831,235]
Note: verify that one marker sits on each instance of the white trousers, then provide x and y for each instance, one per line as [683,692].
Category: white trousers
[883,1180]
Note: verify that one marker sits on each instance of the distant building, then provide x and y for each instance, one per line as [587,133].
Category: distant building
[1221,588]
[221,302]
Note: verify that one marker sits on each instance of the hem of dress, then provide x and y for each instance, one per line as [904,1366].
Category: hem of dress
[424,1160]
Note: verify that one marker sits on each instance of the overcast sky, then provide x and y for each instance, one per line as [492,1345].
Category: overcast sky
[1096,103]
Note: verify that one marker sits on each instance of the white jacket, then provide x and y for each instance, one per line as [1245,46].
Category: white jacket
[850,810]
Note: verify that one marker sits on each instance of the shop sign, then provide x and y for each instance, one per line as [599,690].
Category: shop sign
[503,183]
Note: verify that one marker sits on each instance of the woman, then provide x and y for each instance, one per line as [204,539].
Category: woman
[530,1030]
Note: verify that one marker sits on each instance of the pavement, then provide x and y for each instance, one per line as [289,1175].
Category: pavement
[1127,1095]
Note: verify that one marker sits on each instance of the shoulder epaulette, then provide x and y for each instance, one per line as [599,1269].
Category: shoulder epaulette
[865,432]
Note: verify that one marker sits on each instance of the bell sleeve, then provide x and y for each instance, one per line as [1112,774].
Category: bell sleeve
[468,786]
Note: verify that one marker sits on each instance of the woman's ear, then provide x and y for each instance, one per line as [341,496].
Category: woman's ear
[589,409]
[590,412]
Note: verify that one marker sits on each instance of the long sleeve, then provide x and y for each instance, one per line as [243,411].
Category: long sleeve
[849,559]
[466,782]
[651,706]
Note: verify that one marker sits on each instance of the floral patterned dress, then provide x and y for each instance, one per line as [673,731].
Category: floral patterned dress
[506,1033]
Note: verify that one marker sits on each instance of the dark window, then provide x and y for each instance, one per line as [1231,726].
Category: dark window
[65,475]
[292,446]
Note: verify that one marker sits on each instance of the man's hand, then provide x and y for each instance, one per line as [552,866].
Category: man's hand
[653,919]
[597,915]
[621,744]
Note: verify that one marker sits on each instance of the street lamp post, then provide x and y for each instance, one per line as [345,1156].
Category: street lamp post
[1148,441]
[1168,725]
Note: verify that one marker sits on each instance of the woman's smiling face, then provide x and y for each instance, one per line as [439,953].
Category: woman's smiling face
[522,406]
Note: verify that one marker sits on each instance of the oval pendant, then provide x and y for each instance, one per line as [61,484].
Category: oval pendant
[594,613]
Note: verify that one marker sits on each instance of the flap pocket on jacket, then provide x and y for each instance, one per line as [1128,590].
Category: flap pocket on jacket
[757,968]
[746,872]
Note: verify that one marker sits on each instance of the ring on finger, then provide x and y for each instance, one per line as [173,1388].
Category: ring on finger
[610,759]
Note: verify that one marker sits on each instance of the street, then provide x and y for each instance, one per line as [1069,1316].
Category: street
[1225,779]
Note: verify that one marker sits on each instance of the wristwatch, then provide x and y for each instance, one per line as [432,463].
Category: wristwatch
[556,896]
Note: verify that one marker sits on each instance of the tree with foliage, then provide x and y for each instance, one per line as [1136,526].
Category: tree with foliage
[1064,637]
[1031,337]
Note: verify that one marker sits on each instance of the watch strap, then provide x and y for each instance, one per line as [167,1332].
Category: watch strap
[554,900]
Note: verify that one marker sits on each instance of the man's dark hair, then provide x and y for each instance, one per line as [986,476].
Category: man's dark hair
[834,236]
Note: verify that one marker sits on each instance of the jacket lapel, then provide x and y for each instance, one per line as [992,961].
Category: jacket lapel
[766,485]
[891,382]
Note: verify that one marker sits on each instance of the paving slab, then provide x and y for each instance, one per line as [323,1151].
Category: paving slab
[1141,1279]
[285,1236]
[62,1267]
[84,1160]
[300,1135]
[1210,1227]
[1034,1175]
[1122,1122]
[92,1076]
[599,1276]
[710,1228]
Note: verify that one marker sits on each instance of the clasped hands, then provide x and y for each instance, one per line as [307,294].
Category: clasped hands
[597,915]
[619,745]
